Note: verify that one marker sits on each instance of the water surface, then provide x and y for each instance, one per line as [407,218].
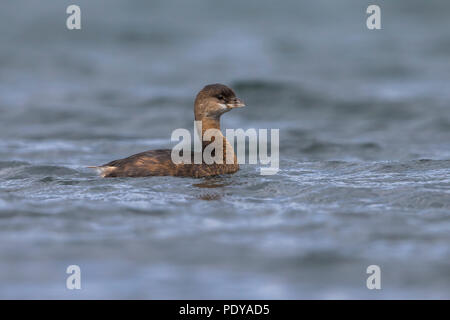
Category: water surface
[364,149]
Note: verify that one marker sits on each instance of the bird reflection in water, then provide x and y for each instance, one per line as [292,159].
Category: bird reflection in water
[212,183]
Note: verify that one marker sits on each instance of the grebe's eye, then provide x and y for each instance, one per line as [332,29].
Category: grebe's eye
[220,97]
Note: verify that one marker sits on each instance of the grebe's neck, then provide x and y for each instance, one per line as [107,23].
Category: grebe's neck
[214,123]
[210,123]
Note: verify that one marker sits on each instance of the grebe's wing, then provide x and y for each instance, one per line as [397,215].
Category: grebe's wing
[149,163]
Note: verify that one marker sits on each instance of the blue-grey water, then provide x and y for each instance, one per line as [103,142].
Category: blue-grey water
[364,125]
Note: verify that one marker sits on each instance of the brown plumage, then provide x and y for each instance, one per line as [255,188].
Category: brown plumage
[211,102]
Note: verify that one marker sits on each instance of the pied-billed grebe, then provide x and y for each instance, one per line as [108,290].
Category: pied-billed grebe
[211,102]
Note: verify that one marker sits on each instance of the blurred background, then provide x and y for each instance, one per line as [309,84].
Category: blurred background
[364,147]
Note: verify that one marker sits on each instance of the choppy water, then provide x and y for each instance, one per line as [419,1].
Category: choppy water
[364,140]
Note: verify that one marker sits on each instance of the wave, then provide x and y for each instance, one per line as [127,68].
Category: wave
[20,170]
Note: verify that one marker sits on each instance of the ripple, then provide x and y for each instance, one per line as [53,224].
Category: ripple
[24,171]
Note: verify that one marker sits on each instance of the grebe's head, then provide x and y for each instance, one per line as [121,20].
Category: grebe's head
[214,100]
